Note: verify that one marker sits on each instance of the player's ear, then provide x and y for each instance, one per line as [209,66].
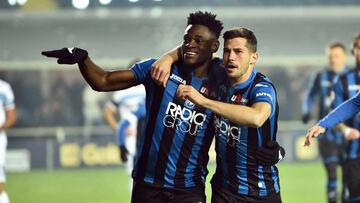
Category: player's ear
[254,57]
[215,46]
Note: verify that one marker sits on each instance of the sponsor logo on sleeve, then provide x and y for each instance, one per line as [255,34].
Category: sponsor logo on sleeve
[263,94]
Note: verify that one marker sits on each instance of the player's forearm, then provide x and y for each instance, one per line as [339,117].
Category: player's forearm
[93,74]
[173,55]
[10,119]
[311,94]
[307,104]
[242,115]
[101,80]
[109,118]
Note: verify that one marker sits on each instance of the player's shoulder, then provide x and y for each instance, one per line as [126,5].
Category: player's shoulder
[350,71]
[4,86]
[3,83]
[347,73]
[262,80]
[324,71]
[146,62]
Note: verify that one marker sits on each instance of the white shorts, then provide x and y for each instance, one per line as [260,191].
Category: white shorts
[3,144]
[130,144]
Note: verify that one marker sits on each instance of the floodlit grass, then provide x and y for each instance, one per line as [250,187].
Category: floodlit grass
[300,182]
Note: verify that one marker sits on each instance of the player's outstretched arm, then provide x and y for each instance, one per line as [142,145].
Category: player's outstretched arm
[96,77]
[341,113]
[160,70]
[109,115]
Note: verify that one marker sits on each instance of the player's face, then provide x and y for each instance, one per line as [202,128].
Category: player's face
[357,51]
[238,58]
[337,58]
[198,45]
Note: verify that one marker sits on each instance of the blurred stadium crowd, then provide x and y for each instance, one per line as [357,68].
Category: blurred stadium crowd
[65,99]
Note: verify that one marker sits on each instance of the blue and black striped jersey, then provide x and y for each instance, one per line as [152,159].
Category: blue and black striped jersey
[346,87]
[237,169]
[323,86]
[173,151]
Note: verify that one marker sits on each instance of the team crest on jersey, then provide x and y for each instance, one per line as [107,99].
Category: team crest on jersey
[189,104]
[204,90]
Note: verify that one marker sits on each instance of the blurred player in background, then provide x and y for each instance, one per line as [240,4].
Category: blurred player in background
[130,104]
[7,120]
[331,144]
[346,87]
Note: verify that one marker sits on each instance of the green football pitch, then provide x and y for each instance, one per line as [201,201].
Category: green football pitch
[300,182]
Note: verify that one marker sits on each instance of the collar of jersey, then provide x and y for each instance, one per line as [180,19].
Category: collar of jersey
[199,78]
[190,70]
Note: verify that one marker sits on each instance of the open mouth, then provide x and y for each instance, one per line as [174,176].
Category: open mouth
[231,66]
[190,54]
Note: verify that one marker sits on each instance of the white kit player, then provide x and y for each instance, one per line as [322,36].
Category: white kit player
[130,103]
[7,120]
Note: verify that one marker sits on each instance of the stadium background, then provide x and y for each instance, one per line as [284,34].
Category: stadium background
[61,150]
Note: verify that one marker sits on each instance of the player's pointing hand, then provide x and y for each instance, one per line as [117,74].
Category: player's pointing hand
[313,132]
[67,55]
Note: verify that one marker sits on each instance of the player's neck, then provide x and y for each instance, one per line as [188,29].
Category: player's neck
[243,78]
[202,70]
[338,69]
[357,66]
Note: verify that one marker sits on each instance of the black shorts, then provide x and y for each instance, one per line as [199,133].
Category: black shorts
[351,178]
[146,193]
[331,151]
[223,195]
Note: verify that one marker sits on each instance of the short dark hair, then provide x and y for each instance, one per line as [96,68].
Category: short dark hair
[356,38]
[337,45]
[207,19]
[251,41]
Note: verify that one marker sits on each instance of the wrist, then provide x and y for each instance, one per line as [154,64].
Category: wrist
[346,131]
[205,103]
[322,124]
